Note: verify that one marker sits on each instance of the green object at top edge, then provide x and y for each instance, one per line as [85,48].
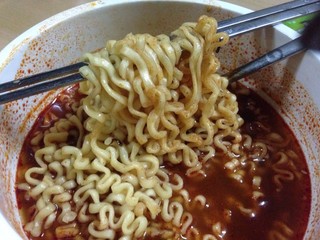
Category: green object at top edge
[299,23]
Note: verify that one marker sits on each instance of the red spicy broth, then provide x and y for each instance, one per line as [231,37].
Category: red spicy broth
[282,211]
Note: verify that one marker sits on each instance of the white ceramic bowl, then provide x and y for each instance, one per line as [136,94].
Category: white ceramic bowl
[62,39]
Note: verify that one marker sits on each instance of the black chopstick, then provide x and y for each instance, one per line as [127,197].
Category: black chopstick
[42,82]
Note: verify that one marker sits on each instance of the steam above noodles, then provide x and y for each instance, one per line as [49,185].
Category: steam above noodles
[148,101]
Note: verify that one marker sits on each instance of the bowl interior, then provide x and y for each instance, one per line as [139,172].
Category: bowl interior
[64,38]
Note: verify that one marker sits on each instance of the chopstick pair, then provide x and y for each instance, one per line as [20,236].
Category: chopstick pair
[309,39]
[41,82]
[306,41]
[68,75]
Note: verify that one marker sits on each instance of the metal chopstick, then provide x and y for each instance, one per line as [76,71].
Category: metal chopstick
[39,78]
[310,39]
[19,88]
[289,49]
[264,12]
[251,25]
[41,87]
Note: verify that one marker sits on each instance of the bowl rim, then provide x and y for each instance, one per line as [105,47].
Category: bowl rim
[8,53]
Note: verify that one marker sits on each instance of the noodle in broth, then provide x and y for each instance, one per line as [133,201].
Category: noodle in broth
[121,155]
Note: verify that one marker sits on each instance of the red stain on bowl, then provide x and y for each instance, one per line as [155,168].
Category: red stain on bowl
[39,105]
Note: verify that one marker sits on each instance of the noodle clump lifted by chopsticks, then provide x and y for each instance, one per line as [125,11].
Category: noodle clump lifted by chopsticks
[149,101]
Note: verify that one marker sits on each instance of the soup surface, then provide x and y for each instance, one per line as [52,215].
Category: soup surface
[262,194]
